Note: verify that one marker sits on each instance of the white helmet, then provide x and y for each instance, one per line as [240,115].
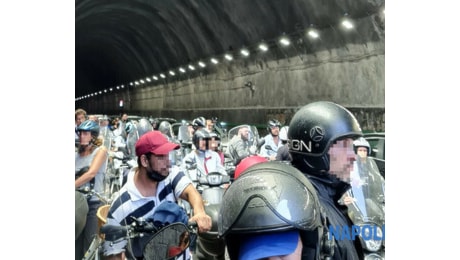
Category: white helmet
[283,133]
[361,142]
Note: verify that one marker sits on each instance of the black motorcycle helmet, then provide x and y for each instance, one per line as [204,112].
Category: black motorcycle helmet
[200,134]
[268,197]
[313,129]
[271,123]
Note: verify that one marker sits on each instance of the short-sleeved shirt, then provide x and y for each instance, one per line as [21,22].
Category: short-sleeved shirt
[130,202]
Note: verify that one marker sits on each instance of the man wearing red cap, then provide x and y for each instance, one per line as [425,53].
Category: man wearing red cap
[153,181]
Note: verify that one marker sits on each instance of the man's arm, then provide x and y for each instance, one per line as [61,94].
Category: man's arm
[241,150]
[193,197]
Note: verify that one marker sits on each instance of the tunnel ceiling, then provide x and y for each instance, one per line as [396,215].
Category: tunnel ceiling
[119,41]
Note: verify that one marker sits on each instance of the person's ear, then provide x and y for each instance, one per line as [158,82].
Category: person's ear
[144,160]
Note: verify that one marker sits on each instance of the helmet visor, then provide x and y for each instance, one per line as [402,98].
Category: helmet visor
[273,201]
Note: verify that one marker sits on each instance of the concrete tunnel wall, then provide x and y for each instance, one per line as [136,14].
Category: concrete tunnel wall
[282,82]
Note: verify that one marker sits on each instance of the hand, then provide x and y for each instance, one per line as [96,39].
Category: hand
[347,200]
[203,220]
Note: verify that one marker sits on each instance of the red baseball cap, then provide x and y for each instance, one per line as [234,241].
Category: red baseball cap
[154,142]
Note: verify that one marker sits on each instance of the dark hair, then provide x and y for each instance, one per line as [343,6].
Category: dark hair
[148,155]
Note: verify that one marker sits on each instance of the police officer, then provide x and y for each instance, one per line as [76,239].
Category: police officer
[321,138]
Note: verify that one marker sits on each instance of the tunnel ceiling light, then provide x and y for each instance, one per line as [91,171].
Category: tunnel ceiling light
[228,57]
[214,60]
[263,47]
[118,87]
[131,84]
[346,22]
[162,75]
[155,78]
[122,86]
[148,79]
[191,67]
[245,52]
[100,91]
[285,41]
[111,89]
[105,90]
[201,64]
[172,73]
[142,81]
[182,70]
[313,33]
[136,82]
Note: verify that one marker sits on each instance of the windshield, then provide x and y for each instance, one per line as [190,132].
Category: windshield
[253,135]
[367,191]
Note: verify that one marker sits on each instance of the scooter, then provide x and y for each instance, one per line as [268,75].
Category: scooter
[212,187]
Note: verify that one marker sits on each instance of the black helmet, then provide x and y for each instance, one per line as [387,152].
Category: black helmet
[200,134]
[272,123]
[313,129]
[198,122]
[91,126]
[269,196]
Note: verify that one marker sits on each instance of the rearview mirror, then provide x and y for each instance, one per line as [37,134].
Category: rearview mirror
[168,242]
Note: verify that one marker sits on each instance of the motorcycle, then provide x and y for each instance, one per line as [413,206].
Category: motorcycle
[212,187]
[367,209]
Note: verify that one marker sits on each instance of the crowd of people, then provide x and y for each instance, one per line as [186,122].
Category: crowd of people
[308,163]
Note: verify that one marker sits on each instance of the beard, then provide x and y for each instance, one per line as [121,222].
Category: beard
[155,176]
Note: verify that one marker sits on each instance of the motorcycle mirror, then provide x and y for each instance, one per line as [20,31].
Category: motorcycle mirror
[168,242]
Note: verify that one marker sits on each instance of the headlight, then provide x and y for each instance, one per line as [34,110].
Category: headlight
[214,179]
[370,238]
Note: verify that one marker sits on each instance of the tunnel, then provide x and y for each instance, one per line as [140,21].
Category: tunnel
[240,61]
